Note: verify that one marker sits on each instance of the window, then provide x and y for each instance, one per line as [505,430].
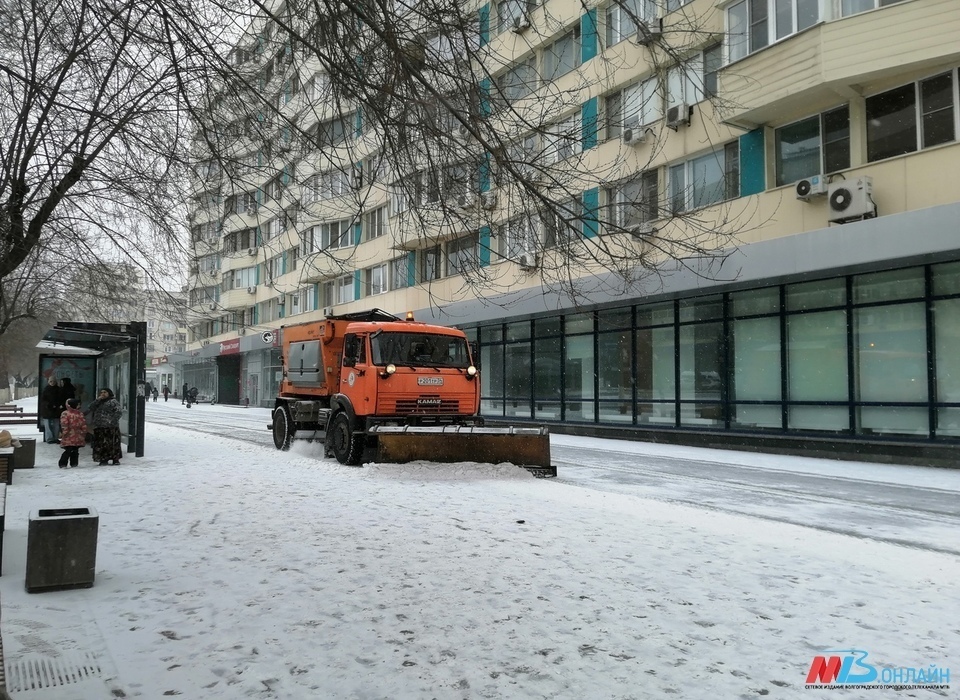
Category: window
[317,87]
[430,259]
[914,116]
[754,24]
[622,15]
[375,280]
[400,273]
[399,201]
[634,202]
[819,144]
[209,264]
[374,223]
[344,288]
[274,188]
[510,10]
[274,227]
[565,226]
[243,203]
[335,131]
[463,254]
[245,277]
[685,83]
[637,105]
[516,237]
[706,180]
[562,56]
[852,7]
[562,139]
[712,61]
[273,267]
[518,82]
[240,241]
[330,236]
[334,183]
[293,256]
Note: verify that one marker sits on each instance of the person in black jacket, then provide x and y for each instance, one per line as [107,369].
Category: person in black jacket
[51,406]
[67,391]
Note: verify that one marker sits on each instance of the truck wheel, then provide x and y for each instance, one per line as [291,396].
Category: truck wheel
[347,446]
[282,427]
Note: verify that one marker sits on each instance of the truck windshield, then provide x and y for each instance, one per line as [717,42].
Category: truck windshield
[419,350]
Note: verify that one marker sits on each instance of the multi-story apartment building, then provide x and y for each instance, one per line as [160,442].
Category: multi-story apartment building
[816,141]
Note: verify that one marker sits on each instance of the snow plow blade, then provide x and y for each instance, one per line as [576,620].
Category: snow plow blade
[526,447]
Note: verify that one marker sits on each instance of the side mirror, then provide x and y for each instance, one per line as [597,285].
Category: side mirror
[351,351]
[475,353]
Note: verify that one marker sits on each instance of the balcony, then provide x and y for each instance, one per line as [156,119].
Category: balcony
[811,70]
[238,298]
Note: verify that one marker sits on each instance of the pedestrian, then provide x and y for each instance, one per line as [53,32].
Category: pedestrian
[183,396]
[105,415]
[67,391]
[192,395]
[51,406]
[155,393]
[73,434]
[166,392]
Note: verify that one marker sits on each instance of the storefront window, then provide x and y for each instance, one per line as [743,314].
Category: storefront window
[817,369]
[578,380]
[756,371]
[946,279]
[614,369]
[491,379]
[518,379]
[946,318]
[656,369]
[891,367]
[816,295]
[888,286]
[701,373]
[518,331]
[547,378]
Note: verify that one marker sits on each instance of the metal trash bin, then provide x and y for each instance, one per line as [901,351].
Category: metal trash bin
[25,456]
[61,549]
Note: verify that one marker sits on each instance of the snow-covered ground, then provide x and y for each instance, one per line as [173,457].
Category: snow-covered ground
[226,570]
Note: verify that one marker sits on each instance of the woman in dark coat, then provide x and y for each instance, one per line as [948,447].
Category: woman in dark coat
[105,416]
[51,406]
[67,391]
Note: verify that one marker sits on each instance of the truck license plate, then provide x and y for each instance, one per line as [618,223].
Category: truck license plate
[430,381]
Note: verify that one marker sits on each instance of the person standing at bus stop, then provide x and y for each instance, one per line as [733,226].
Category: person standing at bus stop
[183,394]
[105,415]
[51,405]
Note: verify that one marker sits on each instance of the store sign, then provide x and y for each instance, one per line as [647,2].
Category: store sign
[230,347]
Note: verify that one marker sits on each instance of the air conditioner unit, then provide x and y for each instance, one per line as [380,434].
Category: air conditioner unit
[281,300]
[527,261]
[251,251]
[241,330]
[678,115]
[327,311]
[212,307]
[252,290]
[850,200]
[649,32]
[269,283]
[811,187]
[488,200]
[633,135]
[466,201]
[520,24]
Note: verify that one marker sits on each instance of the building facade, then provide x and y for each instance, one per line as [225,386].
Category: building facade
[820,135]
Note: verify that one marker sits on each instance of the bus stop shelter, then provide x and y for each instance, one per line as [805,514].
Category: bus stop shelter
[102,355]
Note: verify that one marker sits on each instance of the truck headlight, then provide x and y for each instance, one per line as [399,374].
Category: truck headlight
[471,372]
[389,369]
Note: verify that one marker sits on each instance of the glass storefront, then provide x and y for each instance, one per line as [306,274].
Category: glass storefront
[871,354]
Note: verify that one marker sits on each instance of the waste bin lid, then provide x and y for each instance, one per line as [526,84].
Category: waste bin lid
[48,513]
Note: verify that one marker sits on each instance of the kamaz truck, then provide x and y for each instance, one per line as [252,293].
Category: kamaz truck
[375,387]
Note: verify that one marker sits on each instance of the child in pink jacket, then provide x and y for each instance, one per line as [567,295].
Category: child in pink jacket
[73,433]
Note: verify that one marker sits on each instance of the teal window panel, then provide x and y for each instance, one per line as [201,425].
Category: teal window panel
[484,246]
[591,213]
[588,123]
[588,35]
[411,268]
[283,263]
[316,296]
[357,283]
[483,176]
[752,177]
[484,17]
[486,108]
[357,230]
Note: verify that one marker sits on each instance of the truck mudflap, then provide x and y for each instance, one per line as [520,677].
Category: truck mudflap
[526,447]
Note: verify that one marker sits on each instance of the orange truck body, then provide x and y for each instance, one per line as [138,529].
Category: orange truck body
[372,386]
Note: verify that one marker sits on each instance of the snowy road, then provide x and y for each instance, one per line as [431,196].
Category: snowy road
[912,506]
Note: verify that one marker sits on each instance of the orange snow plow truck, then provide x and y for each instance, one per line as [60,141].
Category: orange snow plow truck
[374,387]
